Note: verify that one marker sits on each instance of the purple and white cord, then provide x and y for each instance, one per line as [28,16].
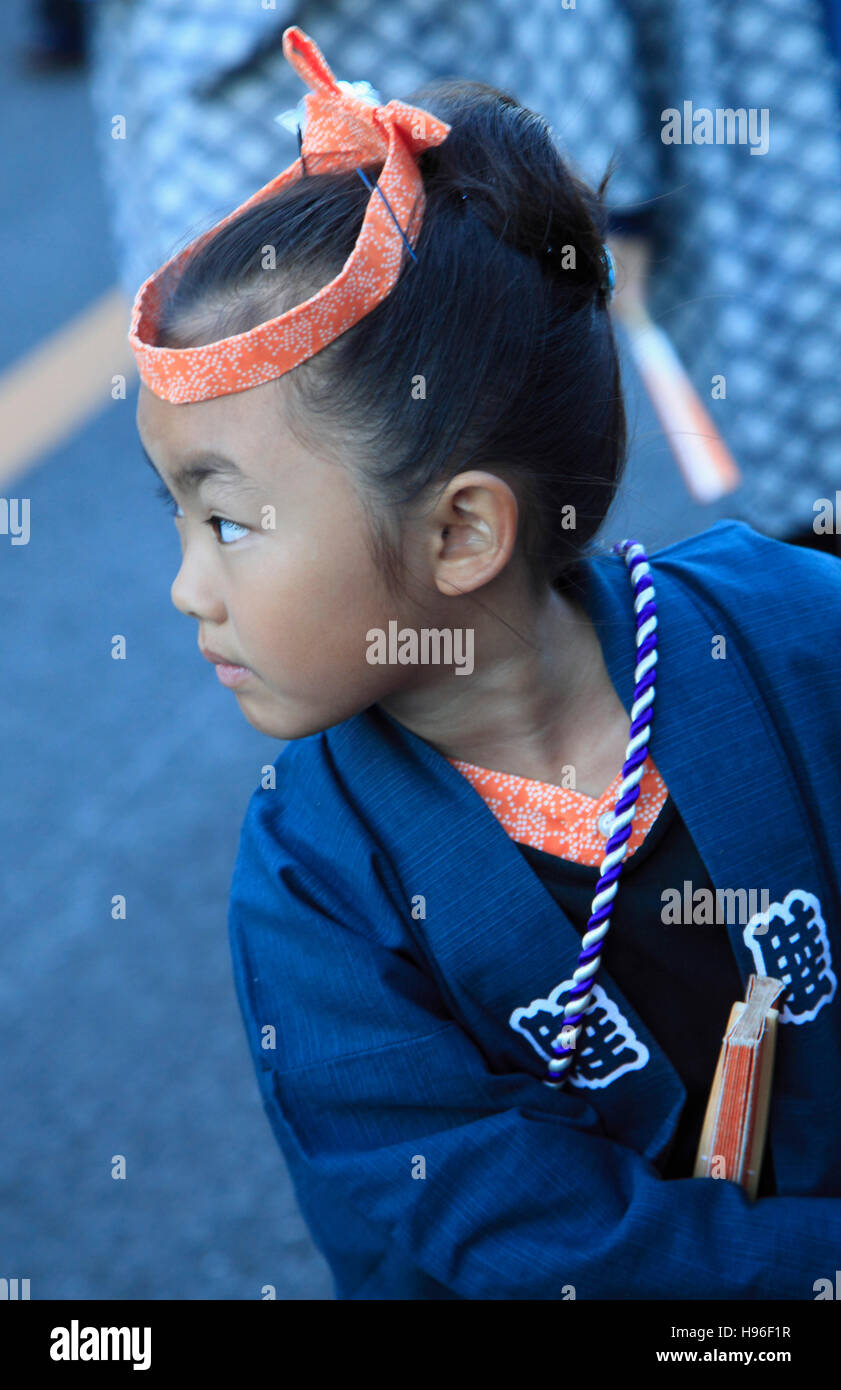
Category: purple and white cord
[645,674]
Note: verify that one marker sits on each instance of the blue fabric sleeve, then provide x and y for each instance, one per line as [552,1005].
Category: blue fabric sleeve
[523,1192]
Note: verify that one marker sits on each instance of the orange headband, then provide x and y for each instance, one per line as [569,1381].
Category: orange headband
[341,131]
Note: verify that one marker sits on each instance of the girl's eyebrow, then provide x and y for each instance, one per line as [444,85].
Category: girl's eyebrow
[197,467]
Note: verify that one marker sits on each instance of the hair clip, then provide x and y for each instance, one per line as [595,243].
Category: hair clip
[611,271]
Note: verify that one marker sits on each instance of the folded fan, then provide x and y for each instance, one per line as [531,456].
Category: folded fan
[736,1118]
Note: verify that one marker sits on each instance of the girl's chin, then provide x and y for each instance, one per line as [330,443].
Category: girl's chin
[286,724]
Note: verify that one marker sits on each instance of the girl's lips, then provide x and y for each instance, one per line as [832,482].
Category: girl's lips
[228,673]
[232,675]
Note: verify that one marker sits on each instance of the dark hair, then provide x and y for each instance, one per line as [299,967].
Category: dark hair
[503,314]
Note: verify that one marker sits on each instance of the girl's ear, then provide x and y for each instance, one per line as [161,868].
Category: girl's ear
[473,532]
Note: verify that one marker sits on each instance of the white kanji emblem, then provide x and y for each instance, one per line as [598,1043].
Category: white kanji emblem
[607,1044]
[789,942]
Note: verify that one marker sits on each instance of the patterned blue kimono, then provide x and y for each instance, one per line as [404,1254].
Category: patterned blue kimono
[397,963]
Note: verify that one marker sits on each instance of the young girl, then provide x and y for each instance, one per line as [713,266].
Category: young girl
[385,395]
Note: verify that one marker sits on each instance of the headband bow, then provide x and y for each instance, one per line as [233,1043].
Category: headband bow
[341,131]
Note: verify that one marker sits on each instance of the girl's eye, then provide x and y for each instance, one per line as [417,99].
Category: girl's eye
[221,520]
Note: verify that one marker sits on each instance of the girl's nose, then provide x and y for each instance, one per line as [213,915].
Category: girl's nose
[193,598]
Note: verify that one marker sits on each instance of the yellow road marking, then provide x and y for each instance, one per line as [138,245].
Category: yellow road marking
[52,391]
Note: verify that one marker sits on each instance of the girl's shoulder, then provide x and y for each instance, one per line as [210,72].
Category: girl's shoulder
[737,546]
[732,600]
[763,586]
[308,812]
[293,790]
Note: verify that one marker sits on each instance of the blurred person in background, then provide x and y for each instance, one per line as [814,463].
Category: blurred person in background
[736,251]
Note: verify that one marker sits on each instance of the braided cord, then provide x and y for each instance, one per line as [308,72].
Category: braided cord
[645,674]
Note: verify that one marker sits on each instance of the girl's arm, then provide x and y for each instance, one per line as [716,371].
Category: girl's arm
[522,1194]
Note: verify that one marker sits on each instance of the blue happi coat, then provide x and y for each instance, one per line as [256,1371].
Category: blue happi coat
[386,927]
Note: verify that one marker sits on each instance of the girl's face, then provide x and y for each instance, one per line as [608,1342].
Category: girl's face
[275,565]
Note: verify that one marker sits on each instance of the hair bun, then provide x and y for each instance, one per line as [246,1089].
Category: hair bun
[502,162]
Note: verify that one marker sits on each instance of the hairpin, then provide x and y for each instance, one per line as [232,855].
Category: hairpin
[368,184]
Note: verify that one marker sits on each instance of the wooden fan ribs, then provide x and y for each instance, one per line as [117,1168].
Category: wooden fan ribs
[736,1118]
